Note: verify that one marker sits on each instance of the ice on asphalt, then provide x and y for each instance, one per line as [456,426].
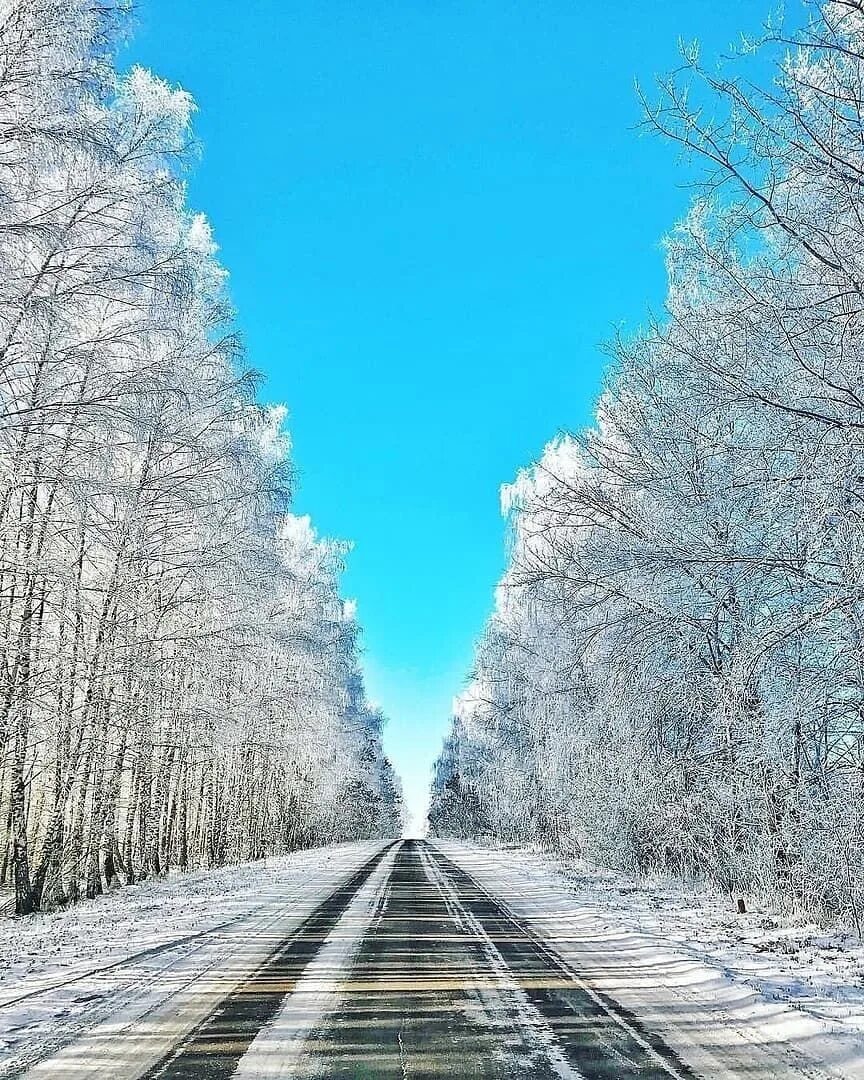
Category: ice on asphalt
[53,983]
[728,992]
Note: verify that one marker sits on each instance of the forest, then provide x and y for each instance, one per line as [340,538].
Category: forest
[672,680]
[180,683]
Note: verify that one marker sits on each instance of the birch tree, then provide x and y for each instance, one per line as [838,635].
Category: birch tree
[179,678]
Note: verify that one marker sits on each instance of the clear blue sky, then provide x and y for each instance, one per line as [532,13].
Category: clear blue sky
[432,211]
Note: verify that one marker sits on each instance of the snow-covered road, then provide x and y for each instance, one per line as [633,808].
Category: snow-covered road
[411,960]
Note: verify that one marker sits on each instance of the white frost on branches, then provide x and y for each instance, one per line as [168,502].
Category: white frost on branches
[179,676]
[673,677]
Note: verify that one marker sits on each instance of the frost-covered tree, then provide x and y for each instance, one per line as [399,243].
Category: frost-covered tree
[179,680]
[673,674]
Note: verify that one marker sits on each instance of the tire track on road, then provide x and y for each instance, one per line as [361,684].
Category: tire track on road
[601,1038]
[137,1009]
[213,1050]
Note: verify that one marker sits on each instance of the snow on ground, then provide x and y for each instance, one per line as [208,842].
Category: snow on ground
[735,995]
[120,956]
[753,994]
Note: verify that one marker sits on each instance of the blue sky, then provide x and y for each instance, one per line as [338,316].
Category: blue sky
[432,212]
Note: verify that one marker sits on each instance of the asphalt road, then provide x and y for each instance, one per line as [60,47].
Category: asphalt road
[411,970]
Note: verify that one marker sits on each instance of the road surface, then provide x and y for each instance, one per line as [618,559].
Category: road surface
[411,970]
[408,968]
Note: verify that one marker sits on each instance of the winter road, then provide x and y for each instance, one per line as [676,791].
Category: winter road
[408,968]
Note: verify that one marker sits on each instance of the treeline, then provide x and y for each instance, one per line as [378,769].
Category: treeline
[179,681]
[673,677]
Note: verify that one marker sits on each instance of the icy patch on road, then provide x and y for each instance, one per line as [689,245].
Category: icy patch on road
[526,1015]
[281,1043]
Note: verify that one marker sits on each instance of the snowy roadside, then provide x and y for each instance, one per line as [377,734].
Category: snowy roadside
[735,995]
[124,954]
